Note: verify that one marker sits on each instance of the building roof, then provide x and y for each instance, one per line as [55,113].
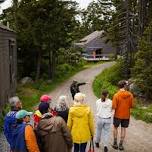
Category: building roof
[87,39]
[94,41]
[5,28]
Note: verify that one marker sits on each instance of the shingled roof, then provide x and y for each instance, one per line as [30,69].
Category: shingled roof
[87,39]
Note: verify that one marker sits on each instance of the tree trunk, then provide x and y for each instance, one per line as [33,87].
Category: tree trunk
[39,58]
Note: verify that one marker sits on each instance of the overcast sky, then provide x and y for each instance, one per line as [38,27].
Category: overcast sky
[83,3]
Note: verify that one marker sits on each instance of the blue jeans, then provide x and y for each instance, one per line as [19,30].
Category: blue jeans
[80,147]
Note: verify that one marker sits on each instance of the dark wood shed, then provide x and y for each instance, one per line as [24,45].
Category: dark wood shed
[8,64]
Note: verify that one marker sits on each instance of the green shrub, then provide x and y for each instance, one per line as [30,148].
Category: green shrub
[142,113]
[108,80]
[63,69]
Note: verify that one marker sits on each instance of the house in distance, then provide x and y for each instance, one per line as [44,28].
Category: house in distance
[95,47]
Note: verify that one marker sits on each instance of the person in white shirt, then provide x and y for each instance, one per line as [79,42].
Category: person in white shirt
[104,114]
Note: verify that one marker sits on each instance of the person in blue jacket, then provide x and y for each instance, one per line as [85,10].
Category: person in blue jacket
[10,120]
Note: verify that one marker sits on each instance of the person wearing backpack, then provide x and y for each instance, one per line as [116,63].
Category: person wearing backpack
[24,138]
[10,119]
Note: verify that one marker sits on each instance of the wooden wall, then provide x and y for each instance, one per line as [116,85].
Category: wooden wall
[8,65]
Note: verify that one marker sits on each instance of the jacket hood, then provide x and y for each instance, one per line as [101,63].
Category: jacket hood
[48,124]
[10,117]
[79,110]
[124,94]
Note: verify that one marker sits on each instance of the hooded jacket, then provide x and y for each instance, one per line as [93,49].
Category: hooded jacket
[9,126]
[122,103]
[24,139]
[54,135]
[80,122]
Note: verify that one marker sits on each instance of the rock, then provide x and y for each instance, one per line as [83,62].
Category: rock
[49,81]
[26,80]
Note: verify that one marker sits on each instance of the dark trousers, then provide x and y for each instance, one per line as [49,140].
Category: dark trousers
[73,94]
[80,147]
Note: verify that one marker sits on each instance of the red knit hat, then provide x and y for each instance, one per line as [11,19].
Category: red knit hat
[45,98]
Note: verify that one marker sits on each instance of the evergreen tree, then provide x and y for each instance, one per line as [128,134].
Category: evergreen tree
[142,71]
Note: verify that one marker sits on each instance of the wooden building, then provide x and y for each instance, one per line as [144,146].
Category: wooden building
[8,64]
[95,47]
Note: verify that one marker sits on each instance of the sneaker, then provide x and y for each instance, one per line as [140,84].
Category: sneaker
[115,145]
[97,145]
[121,147]
[105,149]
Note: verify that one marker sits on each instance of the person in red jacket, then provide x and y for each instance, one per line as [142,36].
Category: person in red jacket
[37,115]
[122,103]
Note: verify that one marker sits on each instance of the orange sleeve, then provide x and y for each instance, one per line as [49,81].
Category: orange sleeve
[131,101]
[30,139]
[114,102]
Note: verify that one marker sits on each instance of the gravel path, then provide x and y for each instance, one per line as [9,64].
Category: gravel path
[139,134]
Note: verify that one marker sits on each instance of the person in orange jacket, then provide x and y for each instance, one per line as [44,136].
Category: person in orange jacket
[23,134]
[122,103]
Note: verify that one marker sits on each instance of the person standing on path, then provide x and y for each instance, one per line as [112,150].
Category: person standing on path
[10,120]
[37,114]
[62,108]
[104,113]
[24,139]
[74,88]
[122,103]
[53,135]
[80,123]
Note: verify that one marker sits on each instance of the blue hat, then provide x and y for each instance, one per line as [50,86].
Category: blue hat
[22,113]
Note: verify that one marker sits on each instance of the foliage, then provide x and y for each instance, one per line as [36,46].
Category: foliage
[108,79]
[41,33]
[142,71]
[2,115]
[143,113]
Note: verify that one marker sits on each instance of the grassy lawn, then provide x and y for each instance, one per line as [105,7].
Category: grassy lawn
[108,80]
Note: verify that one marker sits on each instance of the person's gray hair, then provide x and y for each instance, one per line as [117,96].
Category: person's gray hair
[62,103]
[13,101]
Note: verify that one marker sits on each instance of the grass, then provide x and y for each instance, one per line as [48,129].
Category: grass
[108,80]
[142,112]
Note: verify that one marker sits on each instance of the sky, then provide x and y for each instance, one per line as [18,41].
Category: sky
[82,3]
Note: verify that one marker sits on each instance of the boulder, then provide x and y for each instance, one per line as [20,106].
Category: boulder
[26,80]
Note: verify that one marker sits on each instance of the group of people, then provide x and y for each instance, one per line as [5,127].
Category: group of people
[62,128]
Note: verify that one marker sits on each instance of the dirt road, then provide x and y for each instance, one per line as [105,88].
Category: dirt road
[139,134]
